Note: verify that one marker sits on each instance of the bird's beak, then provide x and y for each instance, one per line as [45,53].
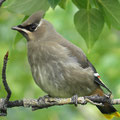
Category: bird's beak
[20,29]
[17,28]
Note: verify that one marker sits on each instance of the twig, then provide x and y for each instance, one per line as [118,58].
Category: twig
[4,78]
[3,104]
[45,102]
[1,2]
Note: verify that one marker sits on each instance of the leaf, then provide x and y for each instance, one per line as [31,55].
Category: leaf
[80,3]
[53,3]
[112,11]
[63,3]
[7,2]
[18,35]
[107,20]
[89,24]
[27,7]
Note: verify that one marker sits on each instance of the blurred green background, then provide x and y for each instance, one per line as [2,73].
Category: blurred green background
[105,55]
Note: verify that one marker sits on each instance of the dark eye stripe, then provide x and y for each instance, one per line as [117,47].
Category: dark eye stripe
[30,27]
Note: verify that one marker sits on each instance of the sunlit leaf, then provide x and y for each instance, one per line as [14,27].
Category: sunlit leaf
[89,24]
[28,7]
[112,10]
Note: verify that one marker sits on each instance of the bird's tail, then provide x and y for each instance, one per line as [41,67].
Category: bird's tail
[109,111]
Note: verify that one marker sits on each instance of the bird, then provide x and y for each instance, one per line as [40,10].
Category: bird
[60,68]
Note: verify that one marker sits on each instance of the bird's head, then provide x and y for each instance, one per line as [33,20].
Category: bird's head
[34,27]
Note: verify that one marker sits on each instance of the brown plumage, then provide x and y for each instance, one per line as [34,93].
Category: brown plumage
[59,68]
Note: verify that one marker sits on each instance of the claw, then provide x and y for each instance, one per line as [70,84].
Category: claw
[108,95]
[40,100]
[43,98]
[74,99]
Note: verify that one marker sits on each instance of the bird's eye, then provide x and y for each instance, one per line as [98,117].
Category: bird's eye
[31,27]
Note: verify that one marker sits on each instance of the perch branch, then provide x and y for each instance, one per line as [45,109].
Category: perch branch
[45,102]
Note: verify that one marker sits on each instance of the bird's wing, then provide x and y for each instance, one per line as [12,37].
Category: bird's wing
[97,77]
[84,62]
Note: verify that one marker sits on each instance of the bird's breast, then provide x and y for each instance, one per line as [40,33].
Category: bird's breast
[49,77]
[59,74]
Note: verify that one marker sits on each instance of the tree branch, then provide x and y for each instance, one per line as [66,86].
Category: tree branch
[4,78]
[45,102]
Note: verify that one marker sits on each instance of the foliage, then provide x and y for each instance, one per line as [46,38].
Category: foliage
[28,6]
[91,27]
[105,55]
[89,19]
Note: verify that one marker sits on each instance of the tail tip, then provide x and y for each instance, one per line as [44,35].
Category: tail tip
[116,114]
[110,116]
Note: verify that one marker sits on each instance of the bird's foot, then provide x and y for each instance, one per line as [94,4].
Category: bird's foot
[42,99]
[75,100]
[108,95]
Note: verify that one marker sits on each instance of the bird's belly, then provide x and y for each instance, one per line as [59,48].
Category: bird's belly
[54,82]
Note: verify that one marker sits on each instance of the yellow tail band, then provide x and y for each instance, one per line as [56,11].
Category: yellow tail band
[110,116]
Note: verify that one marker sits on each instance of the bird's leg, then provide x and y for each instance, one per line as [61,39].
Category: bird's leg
[43,98]
[75,100]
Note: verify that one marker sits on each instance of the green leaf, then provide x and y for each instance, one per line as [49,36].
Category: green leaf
[80,3]
[18,35]
[107,20]
[112,11]
[63,3]
[53,3]
[7,2]
[89,24]
[27,7]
